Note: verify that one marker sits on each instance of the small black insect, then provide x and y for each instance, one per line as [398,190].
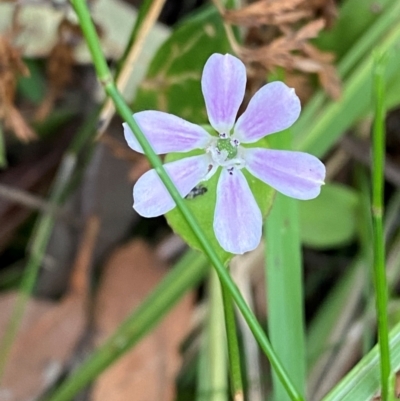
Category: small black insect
[198,190]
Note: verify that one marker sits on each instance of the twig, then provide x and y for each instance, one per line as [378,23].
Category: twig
[228,28]
[108,109]
[30,201]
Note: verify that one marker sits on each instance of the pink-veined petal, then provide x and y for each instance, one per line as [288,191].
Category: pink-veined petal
[223,84]
[295,174]
[167,133]
[237,217]
[152,199]
[273,108]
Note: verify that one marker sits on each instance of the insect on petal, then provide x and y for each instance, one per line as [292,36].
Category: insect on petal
[167,133]
[237,217]
[295,174]
[223,84]
[273,108]
[152,199]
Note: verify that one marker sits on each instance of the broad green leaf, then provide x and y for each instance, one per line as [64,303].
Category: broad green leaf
[203,205]
[330,219]
[173,80]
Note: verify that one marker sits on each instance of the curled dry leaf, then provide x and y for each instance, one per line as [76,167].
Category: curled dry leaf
[267,13]
[290,25]
[11,65]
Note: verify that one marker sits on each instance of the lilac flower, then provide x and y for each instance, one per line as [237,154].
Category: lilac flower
[237,217]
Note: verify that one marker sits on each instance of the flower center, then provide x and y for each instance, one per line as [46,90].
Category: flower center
[229,146]
[224,152]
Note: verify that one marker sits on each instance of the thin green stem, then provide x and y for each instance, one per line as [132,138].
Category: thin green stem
[124,111]
[378,153]
[233,345]
[214,387]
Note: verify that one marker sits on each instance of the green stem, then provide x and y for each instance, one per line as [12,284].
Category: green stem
[124,111]
[233,345]
[213,382]
[378,152]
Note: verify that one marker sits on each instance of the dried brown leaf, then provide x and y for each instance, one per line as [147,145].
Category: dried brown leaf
[330,81]
[310,30]
[14,121]
[302,85]
[40,352]
[147,372]
[284,41]
[263,12]
[327,9]
[11,66]
[316,54]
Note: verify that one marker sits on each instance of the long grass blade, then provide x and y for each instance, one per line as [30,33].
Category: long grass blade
[284,284]
[378,160]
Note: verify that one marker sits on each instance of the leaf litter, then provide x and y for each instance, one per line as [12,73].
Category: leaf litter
[148,371]
[11,67]
[280,34]
[49,331]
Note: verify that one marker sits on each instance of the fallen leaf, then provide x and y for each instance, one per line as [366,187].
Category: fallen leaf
[147,372]
[49,332]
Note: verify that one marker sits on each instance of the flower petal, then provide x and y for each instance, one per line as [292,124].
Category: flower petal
[237,217]
[223,84]
[273,108]
[295,174]
[167,133]
[152,199]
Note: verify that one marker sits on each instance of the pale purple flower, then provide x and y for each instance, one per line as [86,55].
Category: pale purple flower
[237,217]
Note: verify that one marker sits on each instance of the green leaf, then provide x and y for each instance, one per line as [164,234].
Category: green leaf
[329,220]
[173,80]
[202,205]
[33,87]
